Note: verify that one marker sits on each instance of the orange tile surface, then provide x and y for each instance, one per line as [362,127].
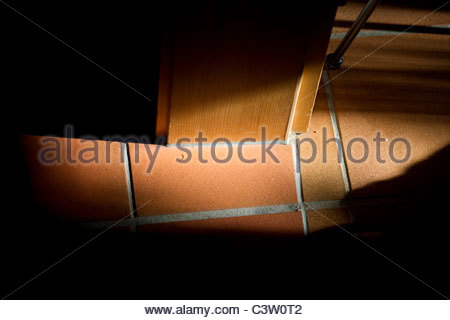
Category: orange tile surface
[321,180]
[173,187]
[327,218]
[401,91]
[283,224]
[393,12]
[79,192]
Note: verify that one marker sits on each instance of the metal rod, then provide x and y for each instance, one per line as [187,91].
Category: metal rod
[334,60]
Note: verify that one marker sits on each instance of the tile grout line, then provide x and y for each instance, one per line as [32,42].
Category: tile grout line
[226,213]
[298,183]
[127,165]
[250,211]
[201,215]
[336,131]
[337,135]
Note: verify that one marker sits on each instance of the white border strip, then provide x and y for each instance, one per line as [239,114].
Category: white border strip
[298,183]
[126,163]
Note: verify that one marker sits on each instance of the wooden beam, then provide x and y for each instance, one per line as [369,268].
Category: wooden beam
[309,79]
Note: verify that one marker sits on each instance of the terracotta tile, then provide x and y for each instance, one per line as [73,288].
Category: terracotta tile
[338,30]
[327,218]
[321,180]
[401,91]
[396,14]
[173,187]
[77,191]
[283,224]
[392,14]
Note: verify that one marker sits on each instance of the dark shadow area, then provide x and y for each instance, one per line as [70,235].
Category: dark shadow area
[415,230]
[47,85]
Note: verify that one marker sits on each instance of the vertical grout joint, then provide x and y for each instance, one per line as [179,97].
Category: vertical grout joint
[128,176]
[298,182]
